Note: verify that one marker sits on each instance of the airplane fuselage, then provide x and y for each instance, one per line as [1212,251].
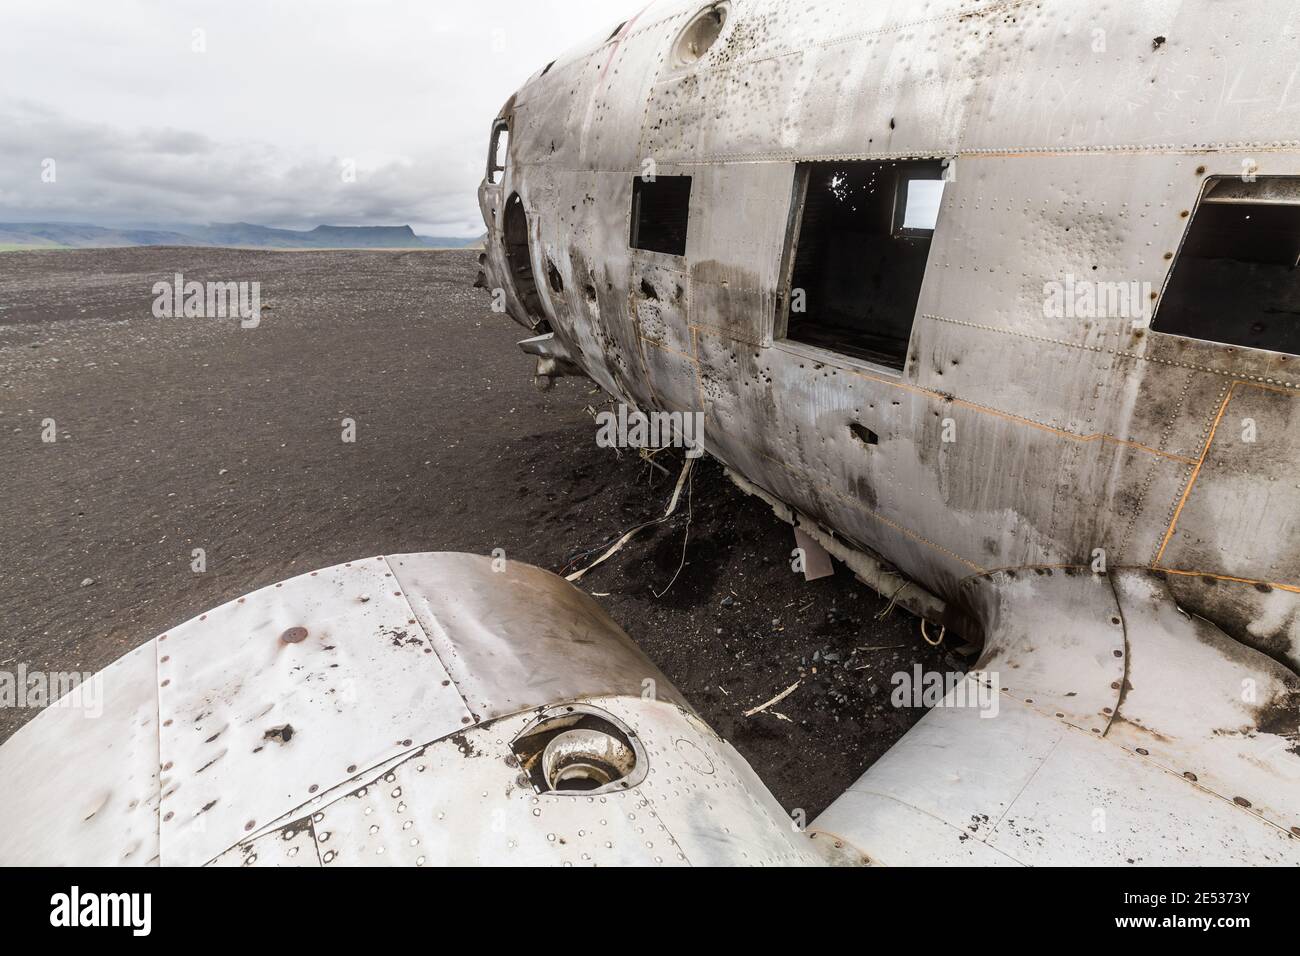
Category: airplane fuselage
[989,396]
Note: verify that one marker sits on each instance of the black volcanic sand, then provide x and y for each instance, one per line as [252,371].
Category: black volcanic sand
[176,434]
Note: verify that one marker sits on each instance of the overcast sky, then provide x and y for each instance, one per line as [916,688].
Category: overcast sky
[144,128]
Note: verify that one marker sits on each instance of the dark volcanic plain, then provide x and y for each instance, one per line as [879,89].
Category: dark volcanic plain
[175,434]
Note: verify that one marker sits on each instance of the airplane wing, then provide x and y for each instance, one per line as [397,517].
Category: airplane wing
[417,709]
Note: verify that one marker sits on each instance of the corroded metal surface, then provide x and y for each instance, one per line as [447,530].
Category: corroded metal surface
[1129,558]
[1207,709]
[1131,565]
[1076,435]
[540,645]
[1190,758]
[1036,791]
[458,801]
[1057,639]
[289,687]
[366,714]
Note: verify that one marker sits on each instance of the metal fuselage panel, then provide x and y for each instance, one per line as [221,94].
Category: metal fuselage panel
[1082,135]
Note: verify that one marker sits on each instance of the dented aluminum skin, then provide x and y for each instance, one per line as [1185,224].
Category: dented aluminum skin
[1076,437]
[364,715]
[1147,713]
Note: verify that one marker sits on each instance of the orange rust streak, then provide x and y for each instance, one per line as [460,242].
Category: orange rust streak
[665,348]
[726,334]
[1131,567]
[1095,436]
[1198,463]
[1032,567]
[1122,151]
[1227,577]
[1196,473]
[1007,416]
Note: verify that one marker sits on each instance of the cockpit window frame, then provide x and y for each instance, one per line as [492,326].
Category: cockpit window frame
[495,171]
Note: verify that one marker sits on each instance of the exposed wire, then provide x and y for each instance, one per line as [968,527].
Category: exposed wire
[618,545]
[893,601]
[935,643]
[690,511]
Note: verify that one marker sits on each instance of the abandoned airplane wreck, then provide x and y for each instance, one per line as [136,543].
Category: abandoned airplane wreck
[1002,297]
[998,299]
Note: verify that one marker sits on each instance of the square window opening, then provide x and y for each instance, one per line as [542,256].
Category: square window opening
[660,212]
[859,243]
[1236,280]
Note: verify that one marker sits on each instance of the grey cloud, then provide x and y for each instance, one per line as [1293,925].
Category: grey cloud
[146,131]
[114,177]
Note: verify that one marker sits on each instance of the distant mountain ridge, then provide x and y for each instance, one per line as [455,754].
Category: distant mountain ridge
[244,235]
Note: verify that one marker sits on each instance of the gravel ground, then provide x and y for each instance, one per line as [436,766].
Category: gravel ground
[175,434]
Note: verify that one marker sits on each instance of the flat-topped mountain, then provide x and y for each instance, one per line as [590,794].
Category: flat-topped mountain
[59,235]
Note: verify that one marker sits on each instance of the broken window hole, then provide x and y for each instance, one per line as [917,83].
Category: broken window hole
[864,434]
[1235,280]
[858,245]
[579,749]
[660,212]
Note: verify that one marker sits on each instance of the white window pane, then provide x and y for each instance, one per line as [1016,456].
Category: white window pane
[923,198]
